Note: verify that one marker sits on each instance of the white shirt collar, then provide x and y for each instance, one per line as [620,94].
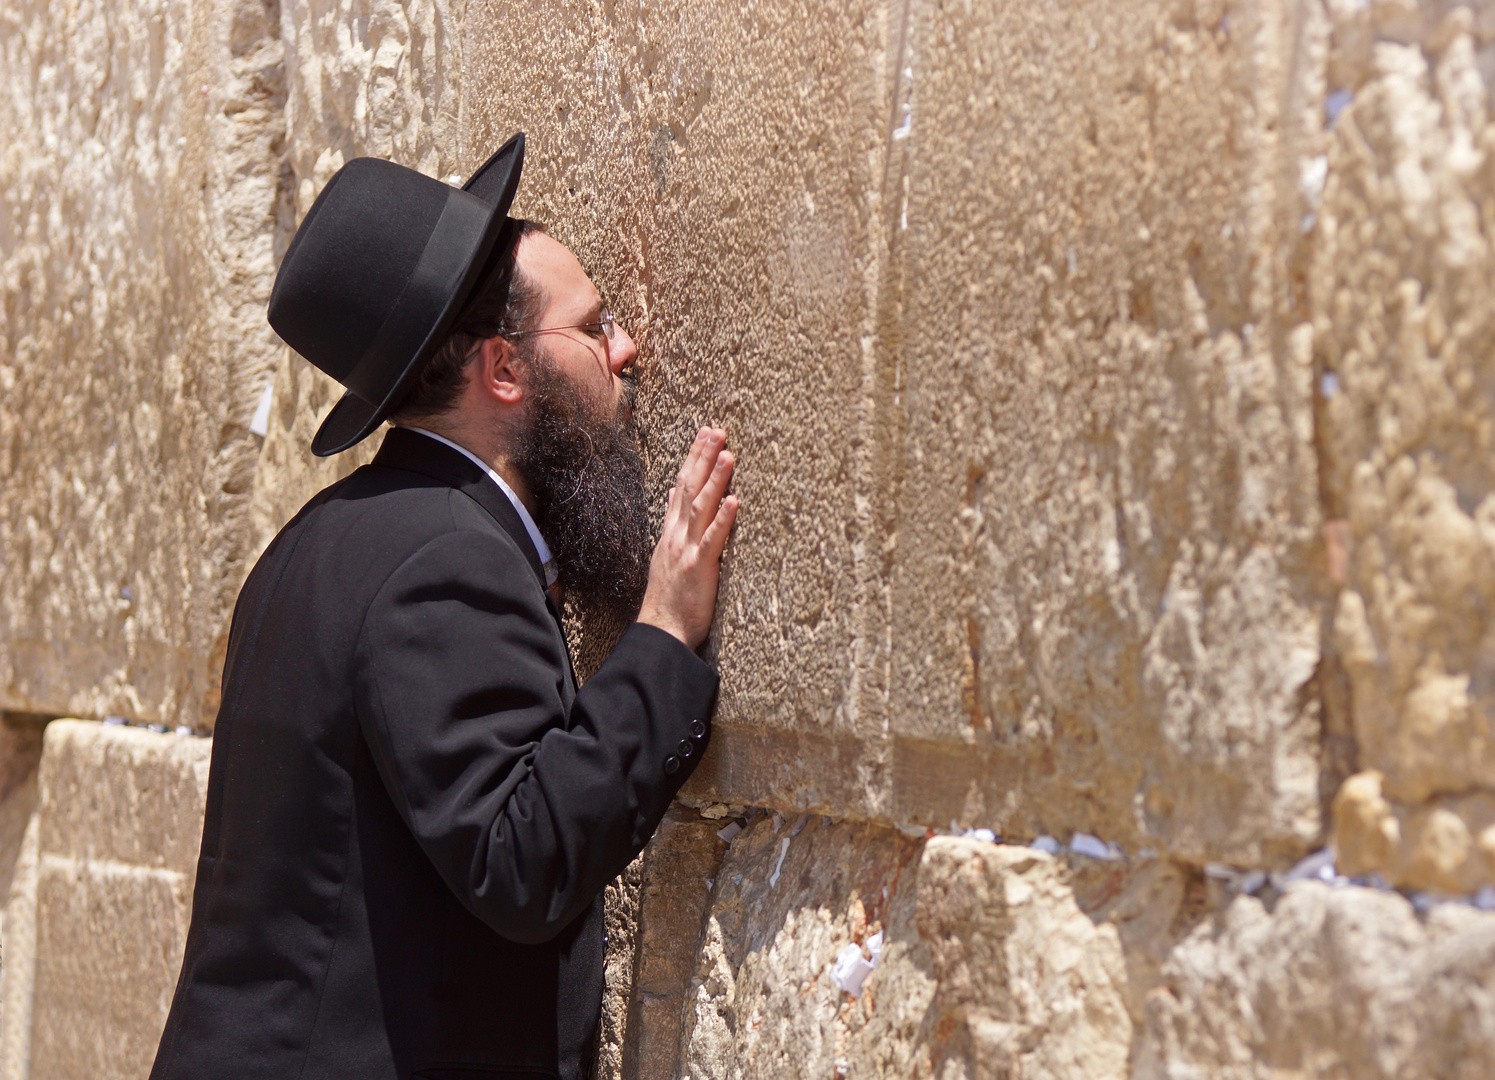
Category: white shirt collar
[541,548]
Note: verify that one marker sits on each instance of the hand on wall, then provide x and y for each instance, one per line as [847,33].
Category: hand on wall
[681,596]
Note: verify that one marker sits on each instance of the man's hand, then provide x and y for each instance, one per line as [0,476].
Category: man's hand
[681,596]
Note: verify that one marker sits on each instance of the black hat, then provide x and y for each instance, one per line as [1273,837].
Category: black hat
[377,273]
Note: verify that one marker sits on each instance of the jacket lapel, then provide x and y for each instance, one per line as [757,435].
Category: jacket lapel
[415,452]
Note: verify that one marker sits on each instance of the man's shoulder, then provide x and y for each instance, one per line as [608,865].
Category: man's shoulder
[378,517]
[378,497]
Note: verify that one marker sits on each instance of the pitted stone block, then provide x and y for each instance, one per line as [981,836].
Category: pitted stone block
[105,899]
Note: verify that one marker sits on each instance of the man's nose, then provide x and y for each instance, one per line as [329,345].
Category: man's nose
[621,351]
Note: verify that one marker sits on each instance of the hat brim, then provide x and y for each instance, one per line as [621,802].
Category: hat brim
[353,418]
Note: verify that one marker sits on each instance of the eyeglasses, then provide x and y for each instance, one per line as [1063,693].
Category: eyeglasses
[606,326]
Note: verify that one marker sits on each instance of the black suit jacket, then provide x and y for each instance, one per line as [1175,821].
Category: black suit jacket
[412,811]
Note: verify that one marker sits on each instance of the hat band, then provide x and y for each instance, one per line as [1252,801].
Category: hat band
[427,295]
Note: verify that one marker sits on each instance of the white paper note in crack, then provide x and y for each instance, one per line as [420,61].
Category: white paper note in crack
[259,424]
[850,970]
[773,879]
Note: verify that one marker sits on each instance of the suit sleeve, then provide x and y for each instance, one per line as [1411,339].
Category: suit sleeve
[526,810]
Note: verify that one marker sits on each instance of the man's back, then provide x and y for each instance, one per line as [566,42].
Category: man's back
[411,812]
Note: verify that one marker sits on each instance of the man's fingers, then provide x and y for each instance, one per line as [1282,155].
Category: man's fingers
[704,506]
[698,464]
[692,456]
[714,539]
[692,460]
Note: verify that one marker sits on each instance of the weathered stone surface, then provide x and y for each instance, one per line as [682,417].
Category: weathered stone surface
[20,753]
[1016,314]
[662,131]
[1444,845]
[139,175]
[109,895]
[18,961]
[1101,473]
[108,948]
[1404,335]
[679,870]
[1038,984]
[1332,983]
[1152,905]
[620,905]
[988,966]
[1001,961]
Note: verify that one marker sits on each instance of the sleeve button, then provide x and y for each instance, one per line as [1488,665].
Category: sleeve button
[697,729]
[685,749]
[672,765]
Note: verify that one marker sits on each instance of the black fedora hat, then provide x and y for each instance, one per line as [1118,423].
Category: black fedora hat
[378,272]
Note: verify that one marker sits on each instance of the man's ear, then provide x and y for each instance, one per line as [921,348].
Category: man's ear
[498,369]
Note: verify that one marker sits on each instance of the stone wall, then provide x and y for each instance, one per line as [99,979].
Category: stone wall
[991,395]
[100,902]
[1404,321]
[139,185]
[1111,389]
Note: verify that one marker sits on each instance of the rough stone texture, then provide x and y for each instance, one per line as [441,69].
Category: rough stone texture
[18,961]
[679,870]
[1332,983]
[1152,905]
[1076,355]
[988,967]
[1104,590]
[1445,845]
[108,895]
[1001,961]
[659,131]
[1404,331]
[20,755]
[138,187]
[620,905]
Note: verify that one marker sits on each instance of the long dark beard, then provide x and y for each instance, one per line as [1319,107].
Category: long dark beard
[582,465]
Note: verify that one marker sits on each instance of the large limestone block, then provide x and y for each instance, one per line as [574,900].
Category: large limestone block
[108,901]
[1039,986]
[113,794]
[677,873]
[988,966]
[1404,327]
[1103,516]
[1332,983]
[139,178]
[109,944]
